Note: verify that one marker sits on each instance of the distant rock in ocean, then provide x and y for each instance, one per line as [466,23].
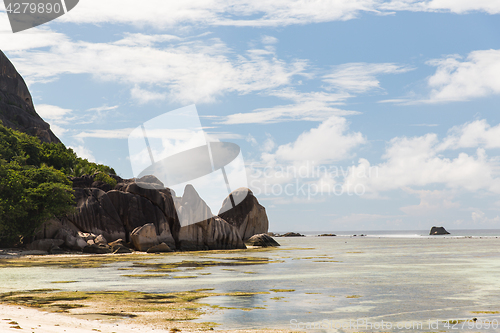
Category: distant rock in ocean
[292,234]
[438,231]
[16,106]
[263,240]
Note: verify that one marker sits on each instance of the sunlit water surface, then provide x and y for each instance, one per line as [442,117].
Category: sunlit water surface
[330,282]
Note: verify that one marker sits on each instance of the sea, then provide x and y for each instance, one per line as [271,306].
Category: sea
[384,281]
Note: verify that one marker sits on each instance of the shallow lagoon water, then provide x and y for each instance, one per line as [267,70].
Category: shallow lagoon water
[332,280]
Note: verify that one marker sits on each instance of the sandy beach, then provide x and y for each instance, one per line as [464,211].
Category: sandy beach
[22,319]
[32,320]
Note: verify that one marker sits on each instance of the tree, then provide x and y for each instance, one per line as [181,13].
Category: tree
[29,196]
[34,184]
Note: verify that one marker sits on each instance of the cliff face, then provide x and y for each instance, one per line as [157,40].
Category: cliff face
[16,106]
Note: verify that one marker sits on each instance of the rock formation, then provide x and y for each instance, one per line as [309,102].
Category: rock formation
[104,213]
[209,234]
[263,240]
[144,237]
[438,231]
[16,106]
[139,213]
[292,234]
[249,217]
[95,213]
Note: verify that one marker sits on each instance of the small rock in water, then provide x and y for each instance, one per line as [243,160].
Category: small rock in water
[438,231]
[292,234]
[263,240]
[160,248]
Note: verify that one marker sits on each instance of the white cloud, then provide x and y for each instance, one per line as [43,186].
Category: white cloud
[320,105]
[269,40]
[454,6]
[121,133]
[145,96]
[418,161]
[251,139]
[83,152]
[474,134]
[161,14]
[328,142]
[190,71]
[269,144]
[53,113]
[479,218]
[58,130]
[314,106]
[28,39]
[103,108]
[430,202]
[290,166]
[456,80]
[361,77]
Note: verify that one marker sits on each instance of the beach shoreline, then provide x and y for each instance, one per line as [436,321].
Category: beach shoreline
[25,319]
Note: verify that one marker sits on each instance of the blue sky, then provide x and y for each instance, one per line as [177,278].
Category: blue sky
[388,108]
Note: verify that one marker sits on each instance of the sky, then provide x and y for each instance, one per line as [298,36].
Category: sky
[350,114]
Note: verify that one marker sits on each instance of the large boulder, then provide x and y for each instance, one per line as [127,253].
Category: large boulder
[137,206]
[144,237]
[84,181]
[212,233]
[119,246]
[16,105]
[71,239]
[45,244]
[49,228]
[95,213]
[438,231]
[191,208]
[249,217]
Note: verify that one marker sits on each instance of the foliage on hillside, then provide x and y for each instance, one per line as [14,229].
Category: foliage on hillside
[34,185]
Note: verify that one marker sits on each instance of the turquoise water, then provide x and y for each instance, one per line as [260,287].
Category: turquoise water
[331,281]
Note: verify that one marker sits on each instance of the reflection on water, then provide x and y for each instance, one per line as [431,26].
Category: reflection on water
[312,279]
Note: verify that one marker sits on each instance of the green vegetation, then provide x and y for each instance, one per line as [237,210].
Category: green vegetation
[105,178]
[282,290]
[34,185]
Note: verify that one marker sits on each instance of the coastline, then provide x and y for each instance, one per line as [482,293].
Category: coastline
[307,279]
[33,320]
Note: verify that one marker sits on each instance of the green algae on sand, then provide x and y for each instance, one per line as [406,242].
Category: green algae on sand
[177,308]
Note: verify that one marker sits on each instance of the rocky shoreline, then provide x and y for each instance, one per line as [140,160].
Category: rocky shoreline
[141,215]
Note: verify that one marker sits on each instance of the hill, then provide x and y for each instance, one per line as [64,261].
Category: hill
[16,105]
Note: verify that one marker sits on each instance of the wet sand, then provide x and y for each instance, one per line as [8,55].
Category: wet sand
[22,319]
